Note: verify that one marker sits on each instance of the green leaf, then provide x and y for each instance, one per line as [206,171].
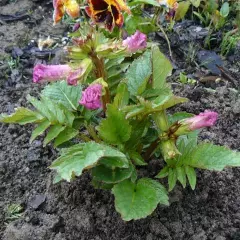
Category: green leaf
[138,200]
[83,156]
[172,178]
[54,131]
[191,175]
[139,73]
[162,68]
[181,176]
[137,132]
[115,162]
[42,108]
[122,96]
[224,11]
[137,159]
[182,10]
[57,114]
[63,93]
[67,134]
[151,2]
[179,116]
[213,157]
[101,185]
[40,129]
[111,175]
[163,173]
[21,116]
[195,3]
[115,129]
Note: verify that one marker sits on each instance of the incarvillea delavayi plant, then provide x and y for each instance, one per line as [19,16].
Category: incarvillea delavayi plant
[106,110]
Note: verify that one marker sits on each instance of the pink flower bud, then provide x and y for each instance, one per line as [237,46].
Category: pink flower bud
[50,73]
[91,97]
[135,42]
[205,119]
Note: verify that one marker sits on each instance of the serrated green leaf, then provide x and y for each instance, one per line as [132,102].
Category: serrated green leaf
[137,159]
[181,176]
[111,175]
[67,134]
[162,68]
[101,185]
[40,129]
[138,200]
[213,157]
[40,106]
[21,116]
[163,173]
[139,73]
[172,178]
[115,129]
[114,162]
[191,175]
[63,93]
[137,132]
[122,96]
[56,112]
[117,69]
[53,132]
[83,156]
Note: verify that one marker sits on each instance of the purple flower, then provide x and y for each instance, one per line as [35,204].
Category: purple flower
[135,42]
[50,73]
[91,97]
[205,119]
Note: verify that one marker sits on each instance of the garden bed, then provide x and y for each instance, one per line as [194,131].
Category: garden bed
[69,211]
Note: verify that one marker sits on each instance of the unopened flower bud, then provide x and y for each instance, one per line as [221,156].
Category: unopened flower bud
[205,119]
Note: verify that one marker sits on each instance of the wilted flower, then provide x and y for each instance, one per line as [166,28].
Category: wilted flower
[135,42]
[50,73]
[91,97]
[60,6]
[108,12]
[205,119]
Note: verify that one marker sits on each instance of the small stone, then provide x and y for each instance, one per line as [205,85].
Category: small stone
[37,201]
[220,238]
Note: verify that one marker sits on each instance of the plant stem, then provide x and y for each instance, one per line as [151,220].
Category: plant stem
[93,133]
[84,137]
[99,65]
[167,39]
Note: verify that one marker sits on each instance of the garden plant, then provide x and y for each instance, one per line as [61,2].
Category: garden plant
[107,108]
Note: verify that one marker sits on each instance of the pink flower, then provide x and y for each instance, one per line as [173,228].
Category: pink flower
[50,73]
[135,42]
[91,97]
[205,119]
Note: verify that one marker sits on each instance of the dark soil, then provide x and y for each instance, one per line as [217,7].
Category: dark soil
[74,211]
